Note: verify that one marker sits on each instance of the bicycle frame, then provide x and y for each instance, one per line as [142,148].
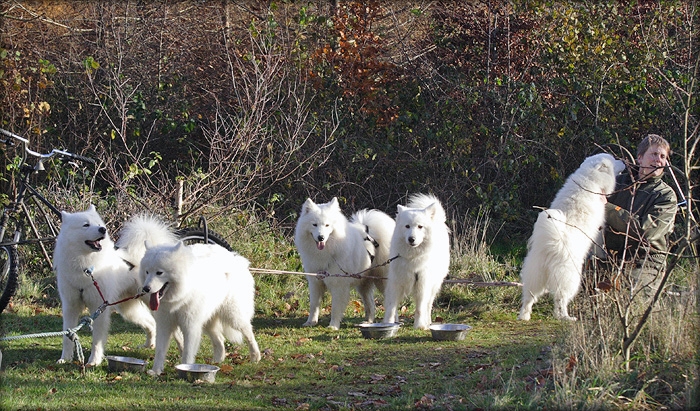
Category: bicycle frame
[19,208]
[25,193]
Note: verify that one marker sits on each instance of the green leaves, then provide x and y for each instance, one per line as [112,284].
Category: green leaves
[90,65]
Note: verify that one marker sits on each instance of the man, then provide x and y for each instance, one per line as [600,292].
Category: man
[640,214]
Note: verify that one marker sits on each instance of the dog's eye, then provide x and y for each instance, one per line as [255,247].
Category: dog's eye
[86,225]
[159,273]
[420,227]
[314,224]
[408,226]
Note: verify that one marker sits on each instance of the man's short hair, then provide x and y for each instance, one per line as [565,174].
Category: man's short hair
[652,140]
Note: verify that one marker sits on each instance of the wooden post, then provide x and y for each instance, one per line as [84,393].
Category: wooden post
[178,199]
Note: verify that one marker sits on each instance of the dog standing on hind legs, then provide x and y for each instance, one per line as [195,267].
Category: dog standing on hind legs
[328,242]
[421,245]
[564,233]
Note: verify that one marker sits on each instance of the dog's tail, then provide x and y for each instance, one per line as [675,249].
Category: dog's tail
[140,229]
[550,231]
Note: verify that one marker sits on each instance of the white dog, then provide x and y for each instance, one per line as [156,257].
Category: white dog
[328,243]
[83,243]
[421,241]
[200,287]
[564,233]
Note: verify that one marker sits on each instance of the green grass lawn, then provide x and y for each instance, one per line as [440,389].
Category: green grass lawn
[502,363]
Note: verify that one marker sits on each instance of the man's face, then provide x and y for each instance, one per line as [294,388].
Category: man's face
[652,162]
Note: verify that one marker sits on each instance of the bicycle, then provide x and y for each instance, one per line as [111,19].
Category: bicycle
[28,202]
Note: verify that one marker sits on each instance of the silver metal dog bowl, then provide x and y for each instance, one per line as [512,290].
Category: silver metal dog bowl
[117,363]
[193,372]
[449,332]
[379,330]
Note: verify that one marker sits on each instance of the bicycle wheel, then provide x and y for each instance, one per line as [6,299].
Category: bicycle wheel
[8,274]
[198,235]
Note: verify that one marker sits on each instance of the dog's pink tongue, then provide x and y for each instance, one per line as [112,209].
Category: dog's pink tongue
[155,302]
[321,245]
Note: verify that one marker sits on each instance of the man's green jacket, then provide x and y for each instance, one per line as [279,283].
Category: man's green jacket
[639,216]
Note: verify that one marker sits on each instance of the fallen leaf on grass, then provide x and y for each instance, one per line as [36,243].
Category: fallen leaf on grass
[303,340]
[279,401]
[375,378]
[303,357]
[426,400]
[370,403]
[357,306]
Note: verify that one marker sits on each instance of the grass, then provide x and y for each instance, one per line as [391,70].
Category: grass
[502,364]
[307,368]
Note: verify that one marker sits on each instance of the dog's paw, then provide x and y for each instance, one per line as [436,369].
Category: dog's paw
[153,373]
[568,318]
[333,327]
[61,361]
[310,324]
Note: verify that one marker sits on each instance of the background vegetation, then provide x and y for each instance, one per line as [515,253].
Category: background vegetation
[251,107]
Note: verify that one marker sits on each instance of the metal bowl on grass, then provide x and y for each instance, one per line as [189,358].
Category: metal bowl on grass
[379,330]
[449,332]
[194,372]
[116,363]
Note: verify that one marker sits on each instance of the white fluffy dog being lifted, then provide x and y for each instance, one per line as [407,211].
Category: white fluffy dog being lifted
[421,241]
[328,242]
[199,287]
[83,243]
[564,233]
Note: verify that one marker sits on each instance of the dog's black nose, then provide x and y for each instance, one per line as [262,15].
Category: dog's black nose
[411,240]
[321,238]
[146,289]
[102,230]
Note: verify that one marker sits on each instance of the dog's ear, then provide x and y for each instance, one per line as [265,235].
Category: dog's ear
[334,203]
[92,208]
[400,208]
[64,214]
[431,210]
[307,206]
[146,245]
[180,245]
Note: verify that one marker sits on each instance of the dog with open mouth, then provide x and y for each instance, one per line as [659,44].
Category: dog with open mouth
[199,288]
[84,251]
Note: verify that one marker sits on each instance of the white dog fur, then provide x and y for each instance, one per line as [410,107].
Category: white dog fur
[199,288]
[84,243]
[328,243]
[421,241]
[563,235]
